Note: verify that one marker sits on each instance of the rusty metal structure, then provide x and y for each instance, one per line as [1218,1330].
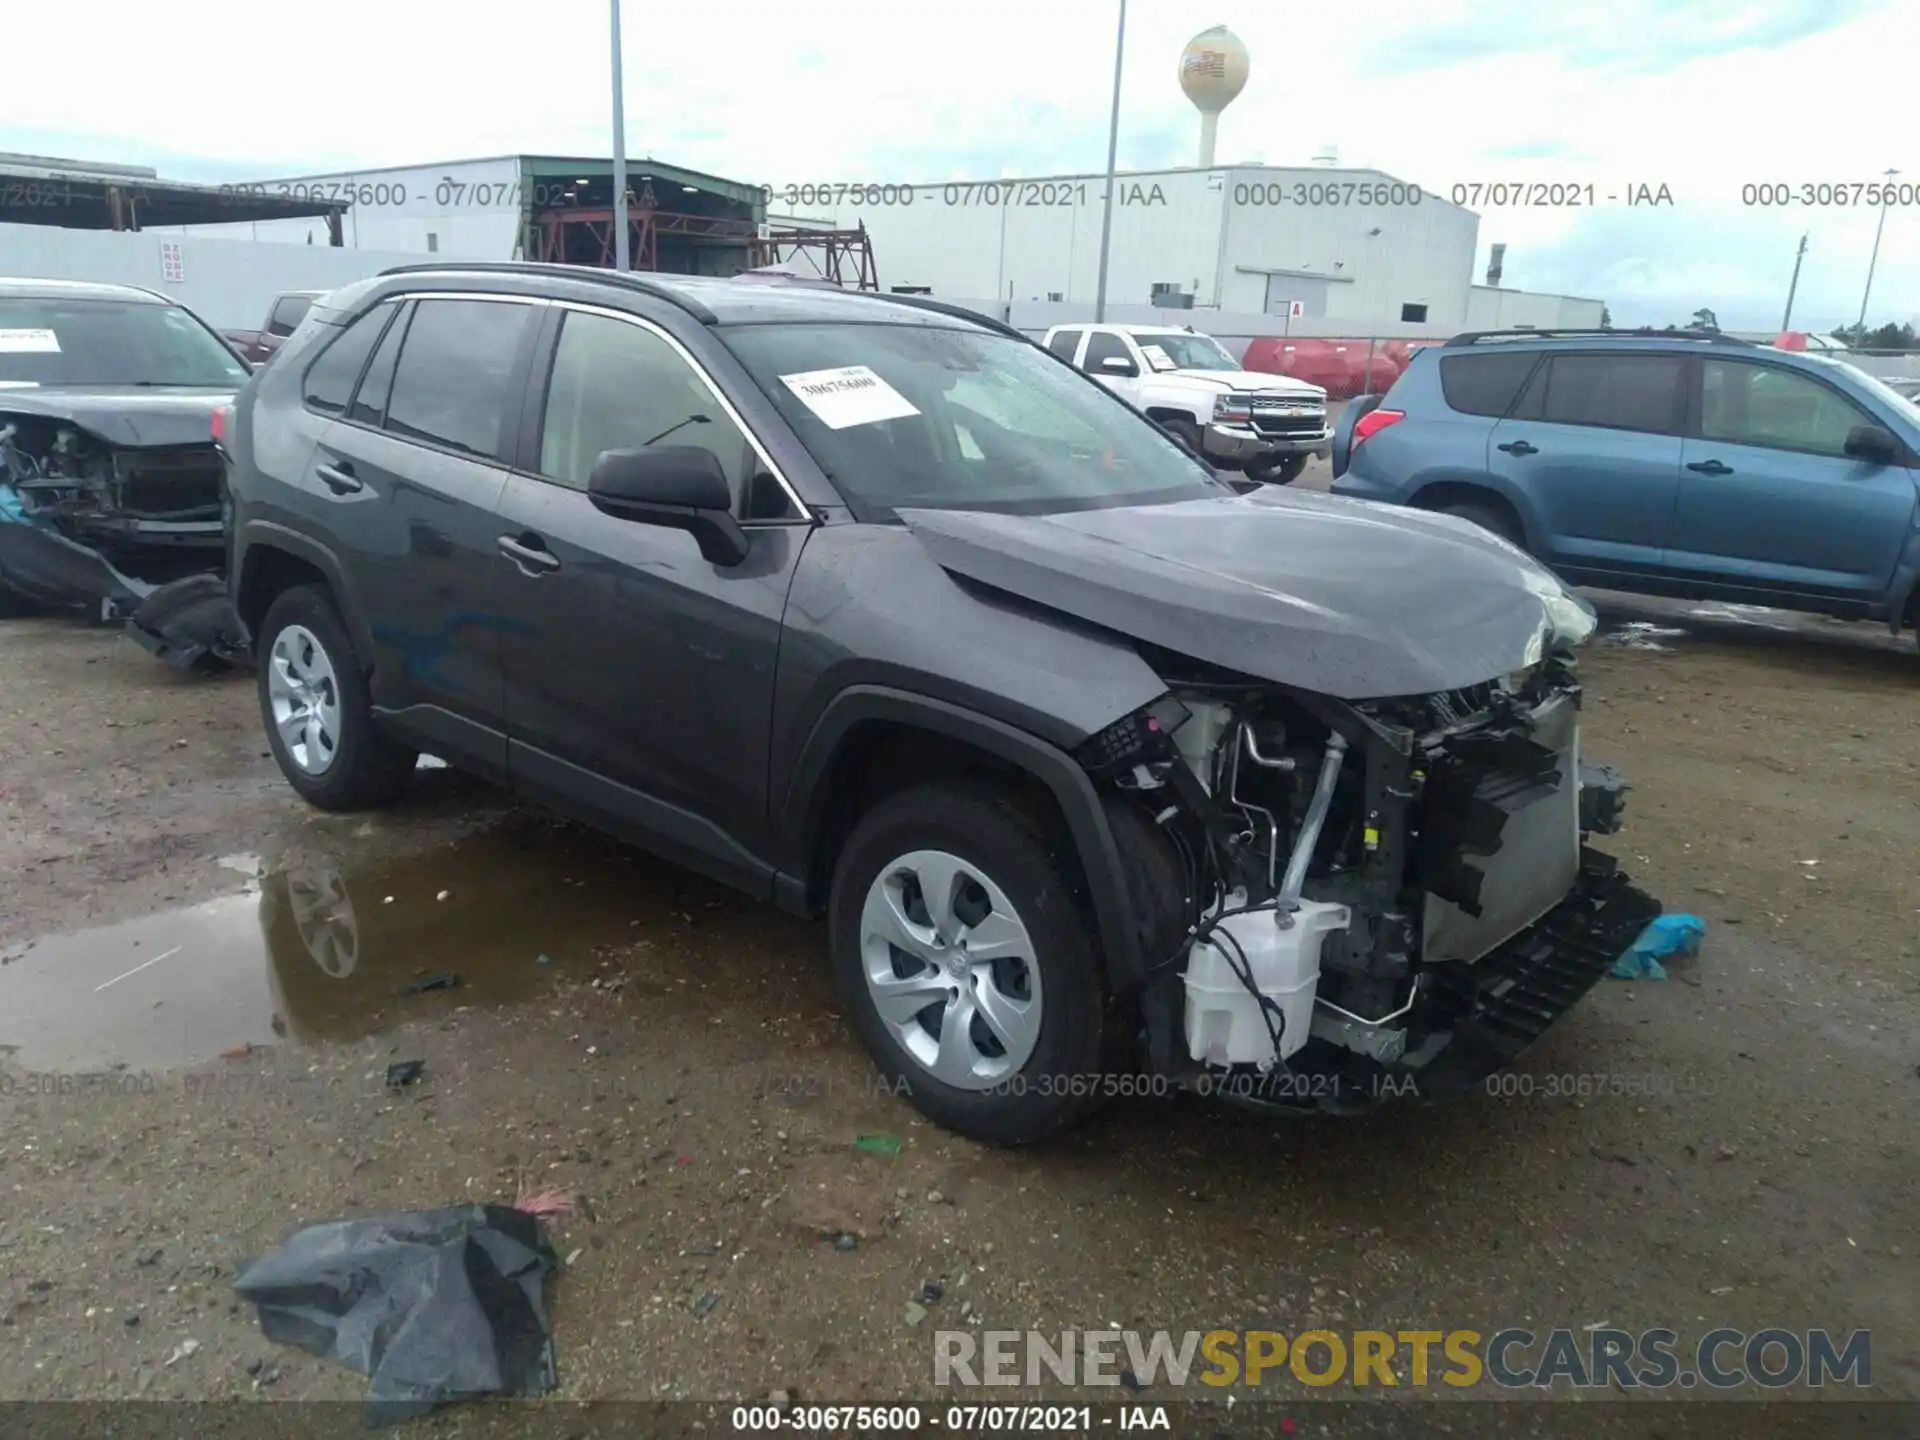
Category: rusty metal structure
[676,242]
[843,256]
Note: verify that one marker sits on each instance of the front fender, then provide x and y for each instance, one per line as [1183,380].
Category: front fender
[804,805]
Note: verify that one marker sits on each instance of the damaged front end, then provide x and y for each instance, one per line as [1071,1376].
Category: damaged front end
[1385,897]
[132,533]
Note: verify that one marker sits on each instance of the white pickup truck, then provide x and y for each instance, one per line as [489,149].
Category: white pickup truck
[1265,425]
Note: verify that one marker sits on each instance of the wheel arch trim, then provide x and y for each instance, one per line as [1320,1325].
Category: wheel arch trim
[258,535]
[805,806]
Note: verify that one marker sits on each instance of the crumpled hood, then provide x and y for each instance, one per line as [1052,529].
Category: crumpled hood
[1254,381]
[1342,597]
[130,415]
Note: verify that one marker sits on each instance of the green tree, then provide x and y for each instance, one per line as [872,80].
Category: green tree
[1703,319]
[1606,318]
[1890,336]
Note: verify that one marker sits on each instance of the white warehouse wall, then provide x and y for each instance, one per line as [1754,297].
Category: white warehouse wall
[1332,258]
[1200,230]
[1494,308]
[471,208]
[229,283]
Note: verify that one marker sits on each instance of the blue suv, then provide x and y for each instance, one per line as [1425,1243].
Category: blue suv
[1679,463]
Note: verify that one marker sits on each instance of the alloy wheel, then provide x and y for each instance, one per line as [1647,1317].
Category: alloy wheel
[304,694]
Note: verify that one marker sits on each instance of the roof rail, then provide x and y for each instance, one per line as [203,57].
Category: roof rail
[943,307]
[626,279]
[1716,337]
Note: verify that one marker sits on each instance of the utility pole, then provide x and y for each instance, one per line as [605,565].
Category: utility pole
[622,258]
[1786,320]
[1113,151]
[1885,195]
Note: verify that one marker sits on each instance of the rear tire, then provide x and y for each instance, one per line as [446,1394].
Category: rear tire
[1494,518]
[318,708]
[1009,886]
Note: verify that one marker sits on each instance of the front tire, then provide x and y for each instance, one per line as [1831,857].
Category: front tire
[318,708]
[964,955]
[1283,471]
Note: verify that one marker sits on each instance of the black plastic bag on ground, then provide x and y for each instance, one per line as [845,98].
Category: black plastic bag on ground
[435,1306]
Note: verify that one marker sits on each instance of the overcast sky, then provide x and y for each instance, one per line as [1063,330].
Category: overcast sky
[1702,96]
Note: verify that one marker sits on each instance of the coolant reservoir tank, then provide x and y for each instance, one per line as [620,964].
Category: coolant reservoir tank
[1225,1023]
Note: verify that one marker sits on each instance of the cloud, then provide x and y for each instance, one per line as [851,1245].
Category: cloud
[1650,37]
[1700,95]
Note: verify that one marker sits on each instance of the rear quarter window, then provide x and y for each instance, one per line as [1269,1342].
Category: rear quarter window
[1485,384]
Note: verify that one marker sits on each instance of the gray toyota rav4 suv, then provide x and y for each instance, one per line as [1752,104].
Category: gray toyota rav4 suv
[1106,779]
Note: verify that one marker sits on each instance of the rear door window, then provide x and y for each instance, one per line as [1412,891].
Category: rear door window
[1485,384]
[1611,392]
[1064,344]
[454,383]
[331,377]
[370,401]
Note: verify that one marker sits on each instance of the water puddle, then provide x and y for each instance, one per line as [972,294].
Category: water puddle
[1762,615]
[334,952]
[1641,635]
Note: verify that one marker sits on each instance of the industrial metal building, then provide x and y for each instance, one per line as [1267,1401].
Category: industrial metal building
[1340,250]
[560,208]
[1313,251]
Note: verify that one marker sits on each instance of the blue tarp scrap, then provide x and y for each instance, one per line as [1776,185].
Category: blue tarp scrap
[1668,938]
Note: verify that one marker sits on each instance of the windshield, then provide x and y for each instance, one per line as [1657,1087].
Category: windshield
[1187,352]
[905,416]
[111,342]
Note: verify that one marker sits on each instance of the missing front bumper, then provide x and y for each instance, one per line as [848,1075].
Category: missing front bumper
[1476,1019]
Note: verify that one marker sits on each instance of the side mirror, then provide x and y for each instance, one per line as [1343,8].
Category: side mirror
[1119,365]
[1872,444]
[681,487]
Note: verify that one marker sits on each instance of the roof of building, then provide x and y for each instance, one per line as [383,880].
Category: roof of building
[81,195]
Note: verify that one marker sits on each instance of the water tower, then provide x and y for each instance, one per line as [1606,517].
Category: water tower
[1213,72]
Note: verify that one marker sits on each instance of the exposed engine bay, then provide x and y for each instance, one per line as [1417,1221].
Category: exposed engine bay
[131,533]
[1383,896]
[108,496]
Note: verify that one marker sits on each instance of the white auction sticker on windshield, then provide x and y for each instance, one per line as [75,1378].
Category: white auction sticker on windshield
[29,342]
[1158,358]
[850,395]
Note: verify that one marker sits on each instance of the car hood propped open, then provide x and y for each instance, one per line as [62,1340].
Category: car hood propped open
[1341,597]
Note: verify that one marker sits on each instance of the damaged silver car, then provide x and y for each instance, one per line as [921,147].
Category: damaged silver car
[111,496]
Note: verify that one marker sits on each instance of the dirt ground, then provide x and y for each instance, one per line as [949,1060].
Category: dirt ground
[676,1054]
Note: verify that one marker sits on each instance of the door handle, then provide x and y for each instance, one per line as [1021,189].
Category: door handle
[534,559]
[340,479]
[1520,447]
[1710,467]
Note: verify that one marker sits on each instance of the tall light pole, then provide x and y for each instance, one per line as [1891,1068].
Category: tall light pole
[1113,151]
[1786,320]
[1878,229]
[621,257]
